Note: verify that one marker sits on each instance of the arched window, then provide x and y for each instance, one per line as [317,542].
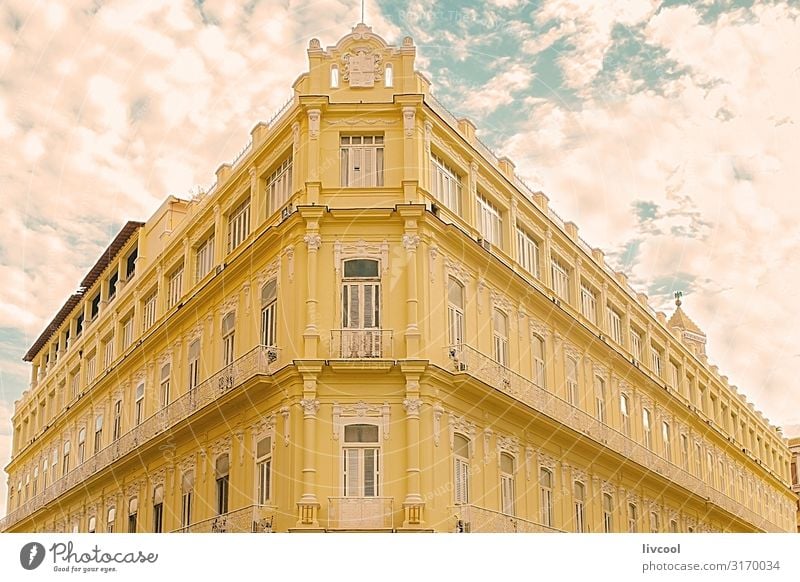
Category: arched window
[507,484]
[625,414]
[269,313]
[579,494]
[462,468]
[98,433]
[455,313]
[138,410]
[92,524]
[264,469]
[500,337]
[222,467]
[81,445]
[655,523]
[537,351]
[111,517]
[65,461]
[608,513]
[158,509]
[546,496]
[633,518]
[673,526]
[187,489]
[572,381]
[334,76]
[164,388]
[35,479]
[600,398]
[388,76]
[133,514]
[194,364]
[361,310]
[45,467]
[228,330]
[361,460]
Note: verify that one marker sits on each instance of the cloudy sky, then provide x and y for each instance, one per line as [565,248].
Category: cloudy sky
[668,131]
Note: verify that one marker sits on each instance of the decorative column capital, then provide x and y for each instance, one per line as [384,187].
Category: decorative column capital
[310,407]
[313,241]
[410,242]
[412,406]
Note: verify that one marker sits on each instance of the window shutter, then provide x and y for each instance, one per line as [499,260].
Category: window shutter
[351,473]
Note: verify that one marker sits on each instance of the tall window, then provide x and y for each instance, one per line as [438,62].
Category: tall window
[655,522]
[600,398]
[572,381]
[35,480]
[65,459]
[608,513]
[92,525]
[264,469]
[127,333]
[204,258]
[279,186]
[560,276]
[656,360]
[666,437]
[138,415]
[269,313]
[117,430]
[579,496]
[238,224]
[362,161]
[187,488]
[228,332]
[222,466]
[537,351]
[672,375]
[74,385]
[108,351]
[175,287]
[194,364]
[633,518]
[698,460]
[54,465]
[111,517]
[112,285]
[490,222]
[45,471]
[507,485]
[91,367]
[546,496]
[130,264]
[361,309]
[334,76]
[500,337]
[588,303]
[461,468]
[361,460]
[133,514]
[710,469]
[98,433]
[684,452]
[455,312]
[149,314]
[625,413]
[673,526]
[164,387]
[158,509]
[615,325]
[636,344]
[388,76]
[527,252]
[647,428]
[445,184]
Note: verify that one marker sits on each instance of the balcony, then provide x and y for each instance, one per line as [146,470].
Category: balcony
[475,519]
[261,360]
[360,513]
[468,360]
[251,519]
[359,344]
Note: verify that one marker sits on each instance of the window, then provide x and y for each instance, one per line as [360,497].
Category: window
[194,364]
[507,485]
[98,433]
[164,389]
[149,314]
[615,325]
[646,425]
[65,460]
[108,352]
[130,264]
[269,313]
[361,161]
[54,465]
[133,511]
[45,468]
[685,452]
[228,332]
[361,309]
[527,252]
[90,367]
[95,308]
[334,76]
[572,381]
[127,333]
[264,469]
[74,384]
[461,468]
[673,379]
[79,325]
[546,496]
[92,525]
[158,509]
[445,184]
[655,524]
[279,186]
[710,468]
[500,337]
[238,224]
[588,303]
[636,344]
[204,258]
[698,460]
[537,352]
[455,312]
[721,472]
[656,360]
[633,518]
[222,467]
[666,437]
[608,513]
[388,77]
[625,413]
[703,399]
[112,285]
[187,487]
[600,398]
[490,222]
[35,480]
[111,517]
[361,460]
[673,526]
[175,287]
[560,276]
[580,501]
[138,415]
[117,430]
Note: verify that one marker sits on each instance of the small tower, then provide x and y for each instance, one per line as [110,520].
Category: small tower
[687,330]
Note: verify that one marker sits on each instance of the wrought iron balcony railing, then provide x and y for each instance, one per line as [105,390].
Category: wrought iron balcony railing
[261,360]
[362,343]
[360,513]
[467,359]
[250,519]
[475,519]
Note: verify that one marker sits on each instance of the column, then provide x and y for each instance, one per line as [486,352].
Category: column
[308,506]
[220,248]
[313,242]
[413,505]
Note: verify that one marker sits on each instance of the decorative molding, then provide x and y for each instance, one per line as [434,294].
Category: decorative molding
[572,351]
[221,446]
[410,242]
[499,300]
[438,411]
[295,139]
[507,444]
[428,135]
[459,424]
[284,411]
[362,66]
[288,252]
[409,120]
[269,272]
[607,487]
[313,123]
[361,121]
[361,249]
[433,252]
[313,241]
[310,407]
[454,156]
[545,461]
[412,406]
[230,304]
[529,453]
[487,440]
[457,270]
[361,409]
[538,327]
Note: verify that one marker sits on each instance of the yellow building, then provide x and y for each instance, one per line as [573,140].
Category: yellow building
[370,323]
[794,450]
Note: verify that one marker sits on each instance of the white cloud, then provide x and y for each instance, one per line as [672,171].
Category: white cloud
[499,90]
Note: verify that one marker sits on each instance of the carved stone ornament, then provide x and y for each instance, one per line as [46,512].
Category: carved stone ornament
[457,270]
[268,272]
[487,441]
[361,409]
[459,424]
[500,301]
[434,253]
[428,135]
[310,407]
[284,411]
[362,66]
[221,446]
[361,250]
[529,453]
[538,327]
[230,303]
[410,241]
[194,333]
[607,487]
[572,351]
[289,253]
[546,461]
[409,120]
[313,241]
[412,406]
[438,411]
[313,123]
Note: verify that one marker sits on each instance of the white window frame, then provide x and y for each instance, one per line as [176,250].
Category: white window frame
[127,333]
[589,303]
[500,336]
[490,221]
[355,474]
[238,224]
[204,257]
[81,445]
[269,313]
[636,344]
[600,398]
[361,161]
[164,386]
[149,310]
[571,375]
[455,312]
[175,287]
[108,351]
[194,364]
[538,355]
[117,430]
[228,336]
[656,360]
[625,413]
[279,186]
[91,367]
[684,451]
[546,486]
[508,485]
[98,433]
[462,469]
[633,518]
[560,278]
[608,513]
[446,184]
[263,471]
[187,493]
[579,506]
[647,428]
[138,408]
[666,438]
[527,252]
[615,325]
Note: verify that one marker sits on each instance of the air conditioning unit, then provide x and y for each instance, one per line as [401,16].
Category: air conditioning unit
[485,244]
[219,268]
[286,211]
[462,526]
[461,366]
